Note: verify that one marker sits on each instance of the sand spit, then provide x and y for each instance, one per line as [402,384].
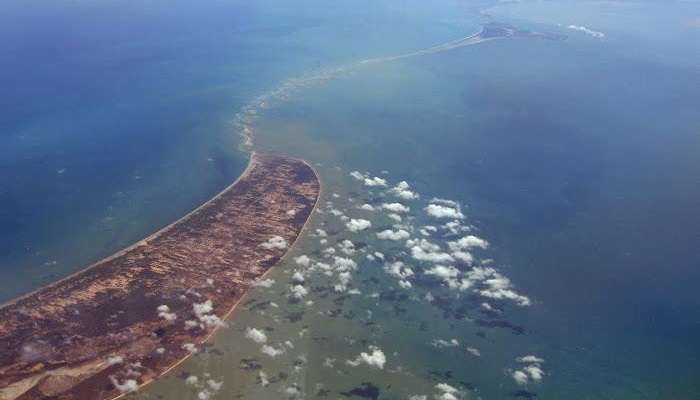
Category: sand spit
[131,317]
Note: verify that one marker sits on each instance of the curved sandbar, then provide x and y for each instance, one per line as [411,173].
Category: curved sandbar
[100,332]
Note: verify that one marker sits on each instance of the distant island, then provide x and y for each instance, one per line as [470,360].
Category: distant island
[131,317]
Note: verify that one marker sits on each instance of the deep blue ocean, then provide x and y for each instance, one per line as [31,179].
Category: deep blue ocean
[577,159]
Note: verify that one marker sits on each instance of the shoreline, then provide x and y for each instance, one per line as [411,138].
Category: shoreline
[141,242]
[221,240]
[228,315]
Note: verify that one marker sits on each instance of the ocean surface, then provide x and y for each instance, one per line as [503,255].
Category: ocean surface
[576,160]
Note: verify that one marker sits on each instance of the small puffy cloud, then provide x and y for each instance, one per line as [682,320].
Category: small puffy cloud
[530,359]
[535,372]
[164,312]
[190,347]
[520,377]
[393,235]
[468,242]
[441,211]
[532,371]
[463,256]
[347,247]
[376,181]
[298,291]
[473,351]
[375,358]
[405,284]
[397,208]
[399,270]
[421,254]
[443,272]
[402,191]
[266,283]
[444,202]
[441,343]
[357,225]
[113,360]
[297,277]
[367,207]
[272,351]
[192,380]
[321,233]
[358,175]
[256,335]
[127,386]
[395,217]
[302,260]
[275,242]
[587,31]
[447,392]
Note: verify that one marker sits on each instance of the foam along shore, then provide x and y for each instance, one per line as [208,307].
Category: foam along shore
[128,319]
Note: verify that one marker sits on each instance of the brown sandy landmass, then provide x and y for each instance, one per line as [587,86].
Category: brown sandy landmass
[100,331]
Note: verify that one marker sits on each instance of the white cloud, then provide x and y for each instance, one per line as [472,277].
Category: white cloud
[264,380]
[587,31]
[358,175]
[474,351]
[530,359]
[468,242]
[164,312]
[402,190]
[395,217]
[393,235]
[420,253]
[302,260]
[271,351]
[441,343]
[520,377]
[443,272]
[441,211]
[321,233]
[275,242]
[256,335]
[356,225]
[190,347]
[464,256]
[113,360]
[376,181]
[297,277]
[447,392]
[298,291]
[444,202]
[367,207]
[266,283]
[375,358]
[129,385]
[395,207]
[405,284]
[347,247]
[399,270]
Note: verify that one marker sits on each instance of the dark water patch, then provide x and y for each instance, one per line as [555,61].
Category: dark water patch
[295,316]
[250,364]
[440,374]
[340,300]
[500,323]
[366,390]
[523,394]
[263,305]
